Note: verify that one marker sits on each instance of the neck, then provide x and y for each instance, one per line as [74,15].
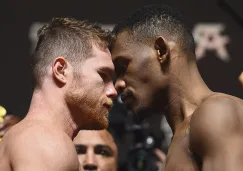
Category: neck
[48,107]
[186,92]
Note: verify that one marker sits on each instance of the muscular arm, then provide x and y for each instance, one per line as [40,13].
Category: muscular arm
[216,135]
[42,152]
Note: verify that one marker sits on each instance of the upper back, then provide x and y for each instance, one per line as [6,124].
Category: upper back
[34,145]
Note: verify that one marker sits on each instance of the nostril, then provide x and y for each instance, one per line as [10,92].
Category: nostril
[119,90]
[119,99]
[123,97]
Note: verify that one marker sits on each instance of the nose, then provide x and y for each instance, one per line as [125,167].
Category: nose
[90,162]
[111,91]
[120,85]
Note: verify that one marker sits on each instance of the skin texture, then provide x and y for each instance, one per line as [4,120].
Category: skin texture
[241,79]
[71,98]
[94,100]
[160,77]
[8,121]
[96,150]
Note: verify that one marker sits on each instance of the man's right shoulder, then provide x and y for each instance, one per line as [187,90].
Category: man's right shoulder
[27,133]
[37,137]
[39,144]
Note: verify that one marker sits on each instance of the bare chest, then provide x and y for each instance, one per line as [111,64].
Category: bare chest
[179,157]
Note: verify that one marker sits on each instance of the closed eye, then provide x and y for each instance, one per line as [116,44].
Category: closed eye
[106,74]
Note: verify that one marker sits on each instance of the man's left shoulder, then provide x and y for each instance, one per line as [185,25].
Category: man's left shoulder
[219,109]
[218,117]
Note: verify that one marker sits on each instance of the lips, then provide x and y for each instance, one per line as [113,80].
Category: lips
[108,104]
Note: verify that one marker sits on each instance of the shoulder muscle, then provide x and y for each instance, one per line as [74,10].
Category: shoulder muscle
[41,150]
[215,119]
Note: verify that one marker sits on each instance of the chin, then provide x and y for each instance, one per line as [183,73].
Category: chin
[97,127]
[97,124]
[101,124]
[141,113]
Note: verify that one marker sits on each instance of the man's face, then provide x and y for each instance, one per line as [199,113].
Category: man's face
[139,75]
[96,151]
[90,93]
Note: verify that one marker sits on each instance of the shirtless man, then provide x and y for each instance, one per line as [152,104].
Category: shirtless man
[96,150]
[8,122]
[155,63]
[73,89]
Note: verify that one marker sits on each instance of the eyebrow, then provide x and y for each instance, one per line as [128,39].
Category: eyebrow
[80,145]
[106,69]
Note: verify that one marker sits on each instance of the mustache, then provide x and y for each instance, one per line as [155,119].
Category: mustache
[126,95]
[109,102]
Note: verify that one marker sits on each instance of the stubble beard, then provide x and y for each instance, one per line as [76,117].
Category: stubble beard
[85,109]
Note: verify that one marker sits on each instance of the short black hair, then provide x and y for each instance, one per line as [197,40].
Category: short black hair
[149,22]
[66,37]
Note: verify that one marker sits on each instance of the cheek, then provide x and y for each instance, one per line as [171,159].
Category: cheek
[93,84]
[144,71]
[81,159]
[107,164]
[144,93]
[91,77]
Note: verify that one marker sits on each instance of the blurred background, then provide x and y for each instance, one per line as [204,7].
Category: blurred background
[217,26]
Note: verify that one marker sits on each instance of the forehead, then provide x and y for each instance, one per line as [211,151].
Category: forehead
[101,56]
[93,137]
[126,46]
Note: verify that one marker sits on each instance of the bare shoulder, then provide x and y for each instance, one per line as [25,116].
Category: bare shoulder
[219,109]
[38,145]
[218,116]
